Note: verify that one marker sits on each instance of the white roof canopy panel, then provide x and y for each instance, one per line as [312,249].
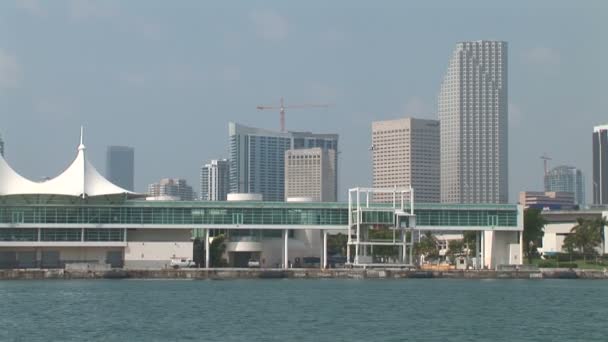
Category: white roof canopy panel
[80,179]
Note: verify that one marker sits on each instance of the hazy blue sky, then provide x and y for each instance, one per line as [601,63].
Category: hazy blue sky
[166,77]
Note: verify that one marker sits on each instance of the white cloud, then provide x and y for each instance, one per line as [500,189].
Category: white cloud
[269,25]
[542,56]
[10,71]
[31,6]
[515,115]
[85,9]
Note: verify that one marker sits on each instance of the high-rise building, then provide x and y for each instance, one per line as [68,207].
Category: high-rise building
[1,146]
[473,113]
[257,158]
[566,179]
[120,166]
[311,173]
[215,180]
[405,152]
[174,188]
[600,164]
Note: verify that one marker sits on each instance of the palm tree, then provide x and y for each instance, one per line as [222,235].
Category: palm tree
[427,246]
[534,224]
[599,224]
[586,236]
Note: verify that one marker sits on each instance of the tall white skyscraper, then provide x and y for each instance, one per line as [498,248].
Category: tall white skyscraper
[473,113]
[215,180]
[405,152]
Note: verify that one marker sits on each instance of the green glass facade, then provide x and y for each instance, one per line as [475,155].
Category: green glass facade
[198,214]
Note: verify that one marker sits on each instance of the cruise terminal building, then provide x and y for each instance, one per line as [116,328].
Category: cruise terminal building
[81,218]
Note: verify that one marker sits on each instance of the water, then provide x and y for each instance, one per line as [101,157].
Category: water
[304,310]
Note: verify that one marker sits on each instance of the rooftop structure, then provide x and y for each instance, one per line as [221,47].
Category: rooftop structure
[80,179]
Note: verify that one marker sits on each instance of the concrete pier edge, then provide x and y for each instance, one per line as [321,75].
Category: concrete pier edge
[224,274]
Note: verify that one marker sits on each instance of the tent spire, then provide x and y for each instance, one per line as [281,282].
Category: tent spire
[81,146]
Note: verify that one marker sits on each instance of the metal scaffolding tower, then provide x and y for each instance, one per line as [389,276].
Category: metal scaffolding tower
[366,217]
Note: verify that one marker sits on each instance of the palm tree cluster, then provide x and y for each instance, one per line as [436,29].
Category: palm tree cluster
[586,236]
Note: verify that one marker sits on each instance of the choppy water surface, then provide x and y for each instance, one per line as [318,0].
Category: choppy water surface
[304,310]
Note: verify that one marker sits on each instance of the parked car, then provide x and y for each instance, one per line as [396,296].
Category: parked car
[182,263]
[253,263]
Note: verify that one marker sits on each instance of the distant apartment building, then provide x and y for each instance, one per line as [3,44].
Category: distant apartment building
[566,179]
[120,166]
[473,111]
[173,188]
[600,164]
[257,158]
[405,152]
[311,173]
[1,146]
[215,183]
[549,200]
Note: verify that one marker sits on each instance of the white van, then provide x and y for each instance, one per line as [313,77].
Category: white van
[182,263]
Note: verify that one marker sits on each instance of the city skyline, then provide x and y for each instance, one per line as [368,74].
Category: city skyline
[554,75]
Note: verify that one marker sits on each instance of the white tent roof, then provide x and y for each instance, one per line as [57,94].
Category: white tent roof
[80,179]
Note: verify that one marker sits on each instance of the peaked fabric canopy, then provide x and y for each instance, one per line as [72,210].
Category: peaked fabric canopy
[80,179]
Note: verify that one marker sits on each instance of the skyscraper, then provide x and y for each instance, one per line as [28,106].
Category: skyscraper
[405,152]
[215,180]
[311,173]
[566,179]
[473,113]
[171,187]
[600,164]
[257,158]
[120,166]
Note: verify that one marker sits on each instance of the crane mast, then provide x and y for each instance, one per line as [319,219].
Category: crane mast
[281,107]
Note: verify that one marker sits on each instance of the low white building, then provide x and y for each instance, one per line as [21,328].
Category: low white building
[560,223]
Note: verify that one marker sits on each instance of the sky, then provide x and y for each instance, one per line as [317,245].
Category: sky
[167,77]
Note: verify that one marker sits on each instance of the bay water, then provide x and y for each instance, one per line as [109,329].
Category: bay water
[304,310]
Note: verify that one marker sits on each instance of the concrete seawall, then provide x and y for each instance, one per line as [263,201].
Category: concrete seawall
[24,274]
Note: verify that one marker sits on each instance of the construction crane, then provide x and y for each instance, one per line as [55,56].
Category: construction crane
[281,107]
[545,159]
